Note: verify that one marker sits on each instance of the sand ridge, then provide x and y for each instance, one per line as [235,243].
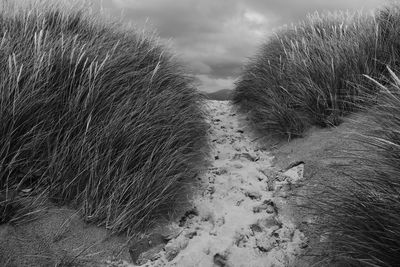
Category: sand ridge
[238,216]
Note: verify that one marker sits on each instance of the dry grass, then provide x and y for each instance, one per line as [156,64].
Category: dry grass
[361,216]
[314,74]
[310,74]
[94,115]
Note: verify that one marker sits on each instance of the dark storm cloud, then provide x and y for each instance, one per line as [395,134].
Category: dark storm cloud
[214,37]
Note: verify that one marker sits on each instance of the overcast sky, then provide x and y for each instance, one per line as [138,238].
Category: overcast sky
[215,37]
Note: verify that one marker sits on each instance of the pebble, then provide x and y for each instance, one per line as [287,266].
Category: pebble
[253,195]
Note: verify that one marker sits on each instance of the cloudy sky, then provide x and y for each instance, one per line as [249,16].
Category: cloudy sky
[215,37]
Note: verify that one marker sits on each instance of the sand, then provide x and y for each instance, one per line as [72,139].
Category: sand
[239,214]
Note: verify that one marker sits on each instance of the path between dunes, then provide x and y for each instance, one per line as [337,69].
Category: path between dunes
[238,216]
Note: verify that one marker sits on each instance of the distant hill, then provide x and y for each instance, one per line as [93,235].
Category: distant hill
[224,94]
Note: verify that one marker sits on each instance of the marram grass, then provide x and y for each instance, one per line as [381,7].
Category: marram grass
[95,115]
[315,73]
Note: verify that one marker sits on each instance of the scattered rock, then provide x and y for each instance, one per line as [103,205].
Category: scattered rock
[191,234]
[255,228]
[220,260]
[253,195]
[268,206]
[296,172]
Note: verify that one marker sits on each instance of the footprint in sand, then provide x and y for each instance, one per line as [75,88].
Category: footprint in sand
[235,221]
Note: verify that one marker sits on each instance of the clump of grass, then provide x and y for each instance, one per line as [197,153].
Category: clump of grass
[362,215]
[315,73]
[97,115]
[309,74]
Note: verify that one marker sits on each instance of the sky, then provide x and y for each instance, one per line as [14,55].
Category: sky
[215,38]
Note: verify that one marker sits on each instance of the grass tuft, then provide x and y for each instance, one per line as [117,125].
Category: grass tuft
[362,215]
[313,73]
[97,115]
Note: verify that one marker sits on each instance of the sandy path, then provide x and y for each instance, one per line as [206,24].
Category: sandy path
[238,217]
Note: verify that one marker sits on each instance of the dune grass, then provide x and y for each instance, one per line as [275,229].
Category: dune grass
[95,116]
[362,214]
[310,73]
[315,73]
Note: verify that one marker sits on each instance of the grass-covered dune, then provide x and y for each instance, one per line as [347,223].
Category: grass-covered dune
[314,74]
[362,215]
[93,115]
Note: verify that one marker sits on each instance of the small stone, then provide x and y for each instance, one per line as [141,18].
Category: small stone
[191,234]
[253,195]
[220,260]
[267,205]
[295,172]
